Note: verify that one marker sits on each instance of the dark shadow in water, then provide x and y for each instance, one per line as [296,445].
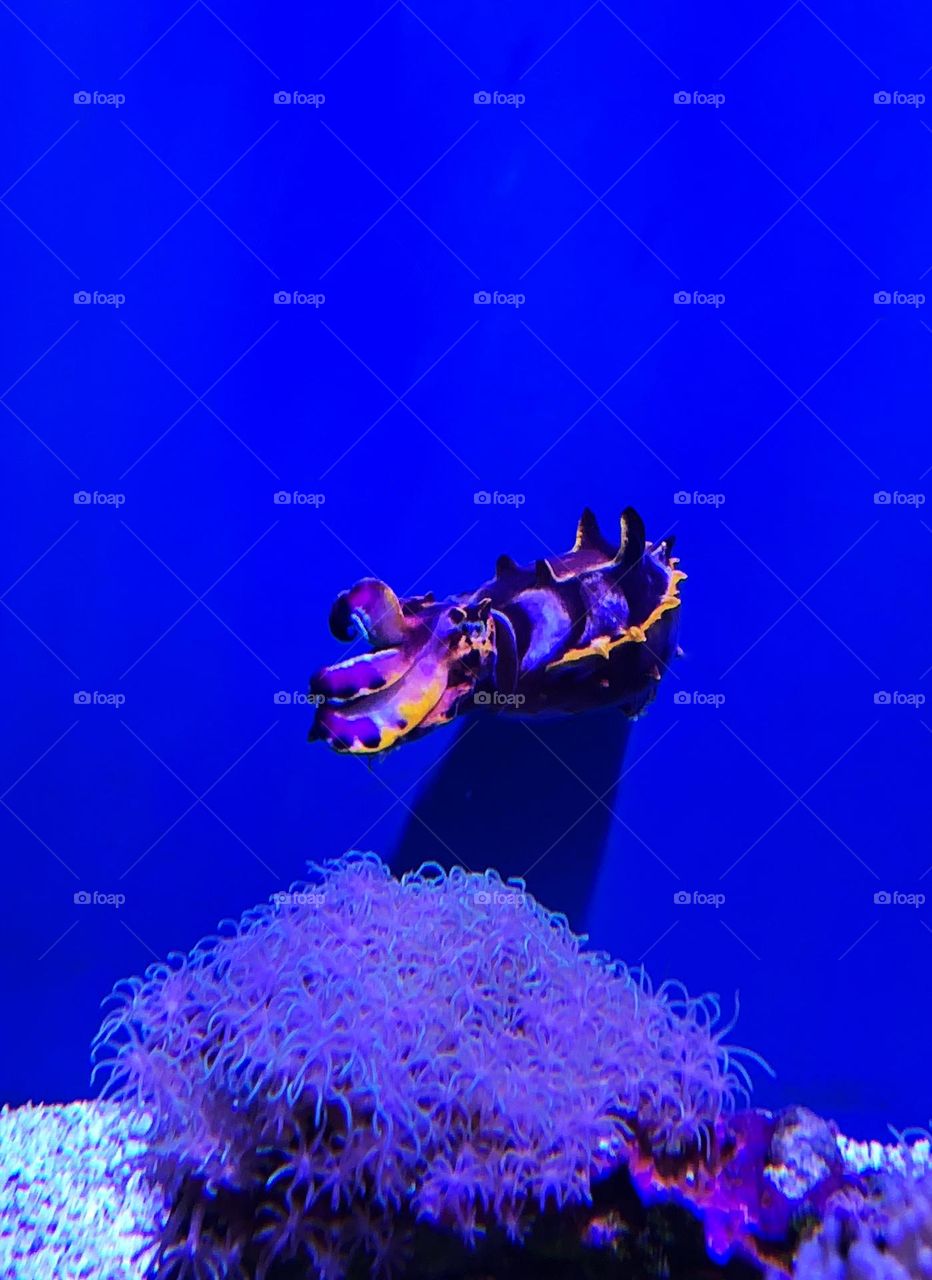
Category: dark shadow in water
[520,796]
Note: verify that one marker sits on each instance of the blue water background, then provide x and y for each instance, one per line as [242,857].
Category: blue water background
[780,189]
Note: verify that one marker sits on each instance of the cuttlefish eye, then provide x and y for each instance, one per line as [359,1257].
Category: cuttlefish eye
[347,623]
[371,610]
[468,625]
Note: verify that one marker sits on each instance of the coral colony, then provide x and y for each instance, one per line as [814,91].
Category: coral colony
[374,1051]
[595,627]
[432,1076]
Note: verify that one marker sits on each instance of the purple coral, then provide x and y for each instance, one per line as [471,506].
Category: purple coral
[367,1051]
[887,1236]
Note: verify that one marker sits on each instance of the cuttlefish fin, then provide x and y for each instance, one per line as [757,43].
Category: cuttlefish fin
[544,575]
[505,663]
[589,536]
[631,546]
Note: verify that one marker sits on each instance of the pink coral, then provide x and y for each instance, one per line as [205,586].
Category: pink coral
[366,1049]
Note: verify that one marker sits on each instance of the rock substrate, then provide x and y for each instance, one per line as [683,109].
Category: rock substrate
[73,1206]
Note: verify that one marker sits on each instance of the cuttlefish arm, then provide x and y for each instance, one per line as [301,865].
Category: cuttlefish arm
[370,612]
[362,674]
[372,701]
[376,721]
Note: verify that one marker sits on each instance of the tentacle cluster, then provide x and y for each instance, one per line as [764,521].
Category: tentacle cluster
[373,1051]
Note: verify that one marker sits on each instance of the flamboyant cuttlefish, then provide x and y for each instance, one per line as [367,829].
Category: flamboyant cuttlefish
[592,628]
